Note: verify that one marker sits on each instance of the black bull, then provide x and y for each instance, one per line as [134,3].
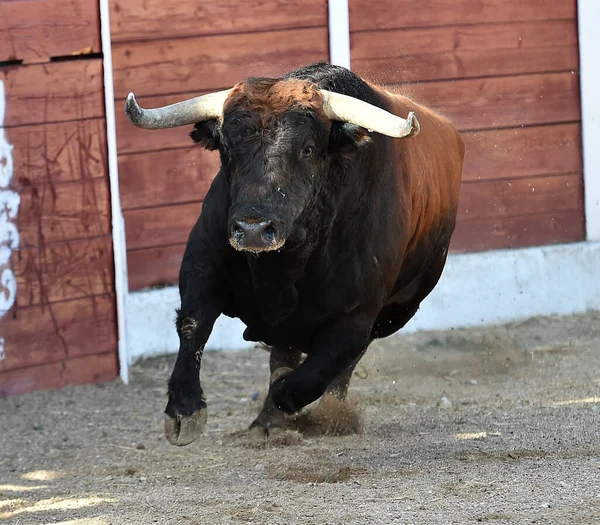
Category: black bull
[319,235]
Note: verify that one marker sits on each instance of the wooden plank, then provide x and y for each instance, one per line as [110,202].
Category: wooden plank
[55,153]
[154,266]
[539,195]
[160,226]
[145,19]
[132,140]
[388,14]
[522,152]
[53,332]
[80,371]
[465,51]
[54,92]
[501,101]
[33,31]
[166,177]
[63,271]
[56,212]
[470,104]
[519,232]
[210,62]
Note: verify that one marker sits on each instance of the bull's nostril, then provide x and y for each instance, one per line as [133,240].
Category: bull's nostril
[269,234]
[237,231]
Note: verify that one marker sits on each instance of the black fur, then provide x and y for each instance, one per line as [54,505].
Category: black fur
[334,286]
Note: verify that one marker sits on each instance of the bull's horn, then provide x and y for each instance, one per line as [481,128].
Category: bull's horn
[204,107]
[349,109]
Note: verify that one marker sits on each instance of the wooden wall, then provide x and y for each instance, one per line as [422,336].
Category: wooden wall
[506,73]
[62,327]
[165,51]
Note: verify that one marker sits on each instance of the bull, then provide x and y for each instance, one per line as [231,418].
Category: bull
[327,224]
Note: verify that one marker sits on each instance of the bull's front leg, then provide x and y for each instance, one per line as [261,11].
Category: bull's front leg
[201,303]
[335,349]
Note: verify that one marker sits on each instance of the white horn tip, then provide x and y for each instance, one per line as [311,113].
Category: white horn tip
[132,110]
[415,127]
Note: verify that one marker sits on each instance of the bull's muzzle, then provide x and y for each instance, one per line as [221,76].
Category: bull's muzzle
[255,235]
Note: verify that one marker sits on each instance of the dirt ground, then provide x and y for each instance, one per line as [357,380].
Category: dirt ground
[494,425]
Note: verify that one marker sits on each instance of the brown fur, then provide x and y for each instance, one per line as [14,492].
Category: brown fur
[271,97]
[436,167]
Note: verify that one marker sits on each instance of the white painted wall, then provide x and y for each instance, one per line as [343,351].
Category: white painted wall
[589,51]
[9,235]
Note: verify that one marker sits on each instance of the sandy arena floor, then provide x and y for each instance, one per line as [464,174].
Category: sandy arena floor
[495,425]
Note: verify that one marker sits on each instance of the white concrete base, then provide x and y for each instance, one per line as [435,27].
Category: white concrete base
[475,289]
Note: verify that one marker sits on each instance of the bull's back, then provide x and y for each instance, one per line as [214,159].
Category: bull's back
[428,174]
[433,162]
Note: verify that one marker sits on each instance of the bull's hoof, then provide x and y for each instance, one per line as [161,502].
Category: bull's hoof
[267,426]
[182,430]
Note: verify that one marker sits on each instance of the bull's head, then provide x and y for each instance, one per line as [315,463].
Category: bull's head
[276,138]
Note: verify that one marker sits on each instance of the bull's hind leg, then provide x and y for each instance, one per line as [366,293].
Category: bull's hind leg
[271,419]
[338,388]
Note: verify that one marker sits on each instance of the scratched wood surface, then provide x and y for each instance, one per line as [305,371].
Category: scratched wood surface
[94,368]
[62,271]
[50,333]
[54,92]
[387,14]
[51,213]
[59,152]
[35,31]
[62,328]
[145,19]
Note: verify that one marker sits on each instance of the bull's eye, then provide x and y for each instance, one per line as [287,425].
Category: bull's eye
[308,151]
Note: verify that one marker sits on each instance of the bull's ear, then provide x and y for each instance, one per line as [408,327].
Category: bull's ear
[347,138]
[206,133]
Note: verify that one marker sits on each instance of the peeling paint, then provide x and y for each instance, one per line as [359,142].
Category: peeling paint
[9,235]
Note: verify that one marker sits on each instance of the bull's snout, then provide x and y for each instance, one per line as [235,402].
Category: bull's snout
[255,235]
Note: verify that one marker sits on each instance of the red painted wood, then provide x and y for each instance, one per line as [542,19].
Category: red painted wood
[79,371]
[134,20]
[51,333]
[35,30]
